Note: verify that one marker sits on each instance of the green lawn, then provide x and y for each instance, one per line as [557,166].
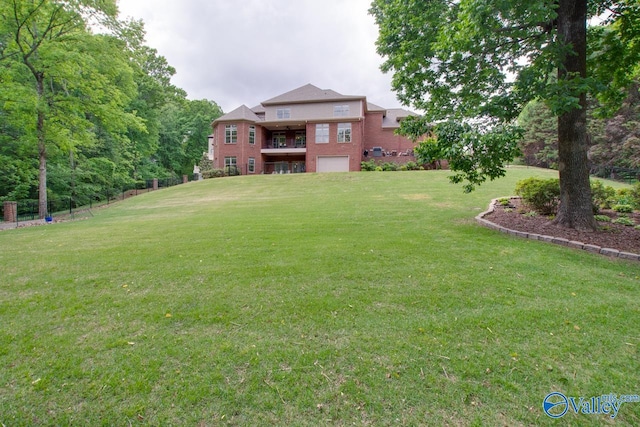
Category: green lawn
[335,299]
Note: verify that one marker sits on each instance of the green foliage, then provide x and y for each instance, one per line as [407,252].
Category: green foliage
[539,144]
[623,208]
[481,61]
[635,194]
[372,166]
[205,164]
[412,166]
[624,221]
[624,196]
[98,110]
[602,218]
[504,201]
[542,195]
[616,140]
[390,167]
[602,195]
[615,53]
[474,155]
[213,173]
[368,166]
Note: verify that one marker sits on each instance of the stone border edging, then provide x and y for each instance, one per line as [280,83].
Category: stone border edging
[614,253]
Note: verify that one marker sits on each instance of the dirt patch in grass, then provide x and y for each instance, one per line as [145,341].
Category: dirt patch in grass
[515,216]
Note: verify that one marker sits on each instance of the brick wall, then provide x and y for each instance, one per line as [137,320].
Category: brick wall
[352,149]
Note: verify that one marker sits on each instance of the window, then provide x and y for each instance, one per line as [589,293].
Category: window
[322,133]
[279,140]
[301,139]
[252,165]
[340,111]
[344,132]
[283,113]
[231,165]
[230,134]
[252,135]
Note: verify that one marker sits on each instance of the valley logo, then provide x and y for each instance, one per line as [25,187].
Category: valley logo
[556,404]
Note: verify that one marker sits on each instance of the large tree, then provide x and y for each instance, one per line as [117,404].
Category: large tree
[478,62]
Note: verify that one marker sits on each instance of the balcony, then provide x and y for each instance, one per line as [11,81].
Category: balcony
[284,147]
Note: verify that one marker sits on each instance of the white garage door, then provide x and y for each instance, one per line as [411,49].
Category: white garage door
[333,164]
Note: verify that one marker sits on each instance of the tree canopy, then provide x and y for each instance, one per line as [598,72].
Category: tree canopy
[80,109]
[479,62]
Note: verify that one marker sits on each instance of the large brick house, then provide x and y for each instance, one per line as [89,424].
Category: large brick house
[308,130]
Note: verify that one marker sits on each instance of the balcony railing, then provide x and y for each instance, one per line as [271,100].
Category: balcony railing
[287,144]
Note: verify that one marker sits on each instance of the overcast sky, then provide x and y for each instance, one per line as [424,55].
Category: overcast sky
[247,51]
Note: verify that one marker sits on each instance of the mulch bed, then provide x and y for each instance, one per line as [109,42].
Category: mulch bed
[611,235]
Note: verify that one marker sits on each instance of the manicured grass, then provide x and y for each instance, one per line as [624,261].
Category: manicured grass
[336,299]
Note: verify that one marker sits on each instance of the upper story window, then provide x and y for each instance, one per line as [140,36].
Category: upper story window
[344,132]
[252,135]
[283,113]
[230,134]
[340,111]
[322,133]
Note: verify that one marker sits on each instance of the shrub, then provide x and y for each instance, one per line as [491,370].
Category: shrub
[412,166]
[213,173]
[504,201]
[601,196]
[625,221]
[635,195]
[541,195]
[624,196]
[602,218]
[368,166]
[388,166]
[378,169]
[623,208]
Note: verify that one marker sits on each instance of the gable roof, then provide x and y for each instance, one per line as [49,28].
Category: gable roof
[242,113]
[309,93]
[394,116]
[374,107]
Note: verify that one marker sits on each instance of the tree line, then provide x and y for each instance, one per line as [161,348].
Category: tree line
[86,107]
[614,141]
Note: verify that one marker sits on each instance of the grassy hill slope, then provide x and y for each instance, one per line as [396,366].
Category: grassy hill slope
[336,299]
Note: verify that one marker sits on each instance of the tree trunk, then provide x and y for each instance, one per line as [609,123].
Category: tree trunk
[575,209]
[42,175]
[42,150]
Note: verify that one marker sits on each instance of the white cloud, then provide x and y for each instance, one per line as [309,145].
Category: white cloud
[247,51]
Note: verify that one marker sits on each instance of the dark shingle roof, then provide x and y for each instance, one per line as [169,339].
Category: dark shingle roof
[242,113]
[309,93]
